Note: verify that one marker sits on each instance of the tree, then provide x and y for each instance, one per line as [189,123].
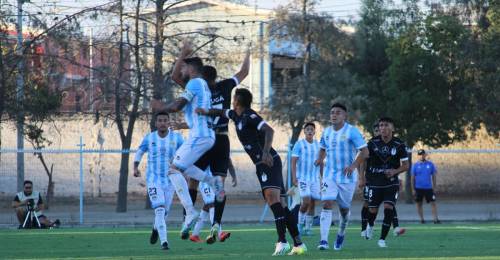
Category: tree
[300,96]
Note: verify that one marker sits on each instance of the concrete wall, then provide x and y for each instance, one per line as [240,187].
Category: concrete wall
[459,174]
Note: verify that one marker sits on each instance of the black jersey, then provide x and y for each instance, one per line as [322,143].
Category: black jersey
[248,126]
[221,99]
[384,156]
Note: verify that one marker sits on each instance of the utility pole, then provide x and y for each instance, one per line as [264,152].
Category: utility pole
[91,70]
[20,96]
[307,53]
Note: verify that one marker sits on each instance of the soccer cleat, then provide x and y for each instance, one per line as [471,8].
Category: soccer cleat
[437,221]
[195,239]
[223,236]
[212,237]
[339,242]
[298,250]
[164,246]
[399,231]
[422,221]
[323,245]
[188,224]
[369,232]
[154,237]
[281,248]
[363,233]
[381,243]
[56,223]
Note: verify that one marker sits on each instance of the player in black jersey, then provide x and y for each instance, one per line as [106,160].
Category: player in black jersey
[387,159]
[256,137]
[363,185]
[218,156]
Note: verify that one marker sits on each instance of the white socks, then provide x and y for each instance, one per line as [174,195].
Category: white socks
[211,214]
[302,218]
[181,188]
[325,223]
[343,221]
[160,224]
[199,224]
[309,221]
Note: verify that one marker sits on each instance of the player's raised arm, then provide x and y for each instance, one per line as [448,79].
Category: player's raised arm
[245,67]
[176,72]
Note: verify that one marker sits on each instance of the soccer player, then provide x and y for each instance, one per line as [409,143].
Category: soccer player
[256,136]
[201,138]
[339,144]
[423,179]
[207,213]
[398,231]
[218,156]
[160,146]
[387,159]
[306,176]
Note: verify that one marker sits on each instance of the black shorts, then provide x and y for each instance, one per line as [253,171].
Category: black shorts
[217,157]
[428,194]
[271,177]
[377,196]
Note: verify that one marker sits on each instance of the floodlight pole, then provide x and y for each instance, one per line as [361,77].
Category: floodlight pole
[20,96]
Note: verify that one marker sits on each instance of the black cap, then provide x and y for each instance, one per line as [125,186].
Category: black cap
[421,151]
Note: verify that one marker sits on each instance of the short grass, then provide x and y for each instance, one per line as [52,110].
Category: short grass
[446,241]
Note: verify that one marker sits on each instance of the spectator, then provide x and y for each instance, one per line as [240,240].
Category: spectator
[22,201]
[423,182]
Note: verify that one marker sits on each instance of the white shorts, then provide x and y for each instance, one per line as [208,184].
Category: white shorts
[161,194]
[191,150]
[206,193]
[341,192]
[309,189]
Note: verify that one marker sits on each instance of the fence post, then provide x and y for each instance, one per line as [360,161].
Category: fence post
[81,145]
[289,170]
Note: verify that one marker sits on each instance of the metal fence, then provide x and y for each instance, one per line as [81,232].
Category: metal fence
[86,174]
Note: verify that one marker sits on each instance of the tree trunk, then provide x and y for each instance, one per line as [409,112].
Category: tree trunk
[121,205]
[50,188]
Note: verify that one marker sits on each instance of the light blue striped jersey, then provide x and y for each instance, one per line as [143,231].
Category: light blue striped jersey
[341,149]
[307,154]
[198,95]
[160,153]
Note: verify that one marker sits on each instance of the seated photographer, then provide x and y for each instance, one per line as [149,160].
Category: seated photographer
[29,199]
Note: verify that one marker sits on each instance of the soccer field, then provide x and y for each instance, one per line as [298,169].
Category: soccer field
[447,241]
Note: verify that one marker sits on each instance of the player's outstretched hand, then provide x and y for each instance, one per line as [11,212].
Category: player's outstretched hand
[349,170]
[201,111]
[137,173]
[267,159]
[234,182]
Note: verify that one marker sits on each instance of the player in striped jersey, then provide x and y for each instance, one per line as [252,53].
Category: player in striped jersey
[339,144]
[306,176]
[201,138]
[160,146]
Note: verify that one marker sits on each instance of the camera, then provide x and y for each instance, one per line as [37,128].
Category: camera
[30,204]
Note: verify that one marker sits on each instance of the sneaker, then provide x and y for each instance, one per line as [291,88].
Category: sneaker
[164,246]
[212,237]
[422,221]
[339,242]
[281,248]
[154,237]
[298,250]
[399,231]
[188,224]
[195,239]
[381,243]
[56,223]
[437,221]
[223,236]
[323,245]
[363,233]
[369,232]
